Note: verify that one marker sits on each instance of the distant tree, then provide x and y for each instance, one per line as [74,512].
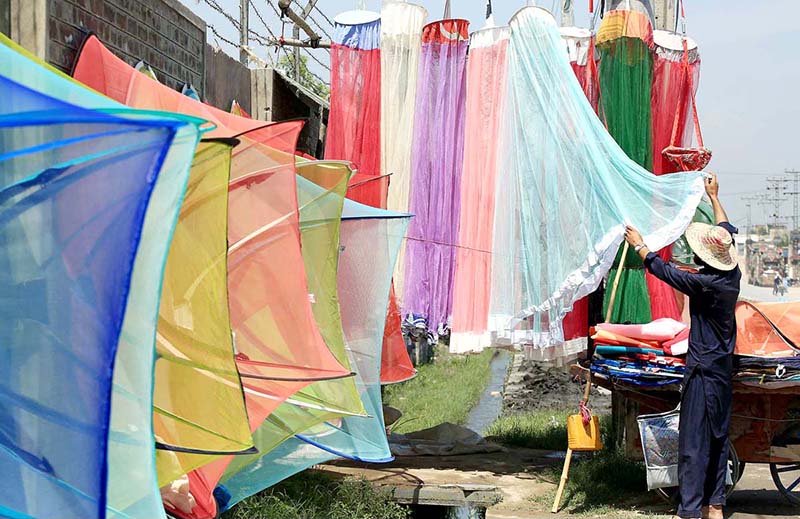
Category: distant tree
[307,78]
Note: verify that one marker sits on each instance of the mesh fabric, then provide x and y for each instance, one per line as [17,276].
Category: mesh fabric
[486,84]
[370,239]
[401,43]
[354,121]
[131,487]
[198,400]
[70,227]
[565,191]
[437,160]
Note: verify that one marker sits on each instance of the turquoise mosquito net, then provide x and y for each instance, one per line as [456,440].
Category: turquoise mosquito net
[369,242]
[130,484]
[565,191]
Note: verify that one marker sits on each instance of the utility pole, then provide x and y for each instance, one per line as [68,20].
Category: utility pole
[244,29]
[795,194]
[666,14]
[776,188]
[299,22]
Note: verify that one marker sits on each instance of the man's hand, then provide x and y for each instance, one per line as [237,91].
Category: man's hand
[633,237]
[712,186]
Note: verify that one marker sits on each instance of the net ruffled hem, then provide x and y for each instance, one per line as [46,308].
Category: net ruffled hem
[587,278]
[465,342]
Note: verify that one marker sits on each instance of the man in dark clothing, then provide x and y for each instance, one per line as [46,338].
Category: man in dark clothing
[707,392]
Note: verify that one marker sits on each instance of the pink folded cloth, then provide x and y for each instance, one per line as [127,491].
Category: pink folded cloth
[660,330]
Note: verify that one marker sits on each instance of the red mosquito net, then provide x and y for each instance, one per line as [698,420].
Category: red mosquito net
[671,105]
[580,48]
[354,121]
[354,135]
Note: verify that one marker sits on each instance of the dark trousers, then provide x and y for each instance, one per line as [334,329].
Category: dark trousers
[703,462]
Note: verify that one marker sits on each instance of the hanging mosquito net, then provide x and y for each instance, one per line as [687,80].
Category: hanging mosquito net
[354,131]
[436,159]
[195,371]
[354,121]
[70,227]
[624,43]
[580,49]
[131,485]
[486,89]
[279,347]
[671,107]
[370,239]
[320,217]
[401,43]
[396,363]
[565,191]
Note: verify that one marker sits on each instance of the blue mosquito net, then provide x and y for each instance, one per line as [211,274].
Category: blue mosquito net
[369,242]
[131,483]
[565,190]
[74,190]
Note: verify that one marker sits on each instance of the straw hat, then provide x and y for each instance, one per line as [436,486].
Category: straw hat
[713,244]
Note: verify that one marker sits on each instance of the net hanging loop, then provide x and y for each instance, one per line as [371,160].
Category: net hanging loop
[447,15]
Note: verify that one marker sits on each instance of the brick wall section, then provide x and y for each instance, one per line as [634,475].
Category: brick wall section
[226,80]
[163,33]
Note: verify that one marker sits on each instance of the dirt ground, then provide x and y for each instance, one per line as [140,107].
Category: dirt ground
[519,474]
[533,386]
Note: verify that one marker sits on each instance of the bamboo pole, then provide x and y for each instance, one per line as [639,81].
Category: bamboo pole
[616,282]
[562,484]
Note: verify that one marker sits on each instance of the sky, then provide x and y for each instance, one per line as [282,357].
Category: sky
[748,97]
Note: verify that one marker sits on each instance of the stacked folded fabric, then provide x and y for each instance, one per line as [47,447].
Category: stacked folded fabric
[766,369]
[650,355]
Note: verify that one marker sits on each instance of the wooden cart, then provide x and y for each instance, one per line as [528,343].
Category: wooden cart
[765,426]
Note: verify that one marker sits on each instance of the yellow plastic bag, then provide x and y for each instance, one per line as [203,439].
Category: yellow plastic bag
[583,437]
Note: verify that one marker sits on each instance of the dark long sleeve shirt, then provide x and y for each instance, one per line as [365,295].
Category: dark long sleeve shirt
[712,304]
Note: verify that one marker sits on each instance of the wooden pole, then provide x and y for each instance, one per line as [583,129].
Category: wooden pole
[613,297]
[563,483]
[587,392]
[244,25]
[291,42]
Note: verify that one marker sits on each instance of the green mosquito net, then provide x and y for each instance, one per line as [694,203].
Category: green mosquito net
[624,45]
[565,190]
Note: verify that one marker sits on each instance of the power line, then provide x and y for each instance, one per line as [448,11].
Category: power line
[320,11]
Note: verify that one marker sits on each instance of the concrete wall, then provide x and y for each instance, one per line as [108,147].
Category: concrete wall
[226,80]
[5,17]
[172,40]
[163,33]
[28,25]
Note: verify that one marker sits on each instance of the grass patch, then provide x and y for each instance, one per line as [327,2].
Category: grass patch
[444,391]
[539,430]
[605,483]
[313,495]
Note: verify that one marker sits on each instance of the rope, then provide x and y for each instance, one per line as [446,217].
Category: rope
[690,82]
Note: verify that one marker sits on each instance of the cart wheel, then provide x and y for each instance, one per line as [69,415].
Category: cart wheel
[787,479]
[671,494]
